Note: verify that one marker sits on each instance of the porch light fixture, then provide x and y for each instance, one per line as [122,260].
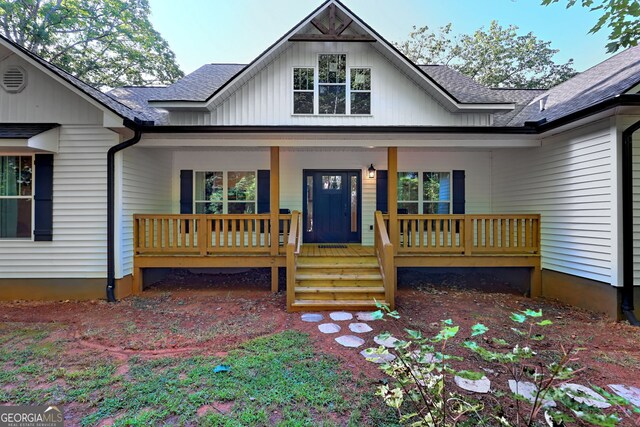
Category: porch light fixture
[372,171]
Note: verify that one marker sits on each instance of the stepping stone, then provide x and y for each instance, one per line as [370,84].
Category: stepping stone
[388,342]
[483,385]
[365,316]
[372,357]
[528,391]
[350,341]
[329,328]
[585,395]
[360,328]
[341,315]
[312,317]
[632,394]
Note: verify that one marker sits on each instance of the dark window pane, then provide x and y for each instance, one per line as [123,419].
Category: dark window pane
[208,186]
[241,208]
[9,175]
[241,186]
[303,102]
[332,99]
[15,218]
[332,68]
[354,204]
[361,103]
[412,207]
[361,79]
[309,203]
[436,208]
[408,186]
[208,208]
[436,186]
[303,79]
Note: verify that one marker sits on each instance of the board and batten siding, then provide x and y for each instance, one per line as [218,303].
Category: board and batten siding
[570,181]
[145,188]
[267,98]
[43,100]
[79,245]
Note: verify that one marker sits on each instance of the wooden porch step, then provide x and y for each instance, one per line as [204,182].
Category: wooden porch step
[338,275]
[333,262]
[301,305]
[341,289]
[339,283]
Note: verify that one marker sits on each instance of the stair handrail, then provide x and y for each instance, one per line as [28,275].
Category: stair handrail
[293,249]
[386,259]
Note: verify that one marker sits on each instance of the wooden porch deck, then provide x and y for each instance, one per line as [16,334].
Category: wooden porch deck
[331,276]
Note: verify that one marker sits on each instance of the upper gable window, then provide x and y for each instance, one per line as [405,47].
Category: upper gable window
[335,90]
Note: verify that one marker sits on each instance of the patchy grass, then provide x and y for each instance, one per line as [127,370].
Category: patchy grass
[274,380]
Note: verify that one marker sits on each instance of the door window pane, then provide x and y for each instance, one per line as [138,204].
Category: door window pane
[331,182]
[354,204]
[309,203]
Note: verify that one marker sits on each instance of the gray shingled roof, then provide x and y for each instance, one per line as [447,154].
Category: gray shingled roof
[201,84]
[463,88]
[610,78]
[521,97]
[23,130]
[137,97]
[104,99]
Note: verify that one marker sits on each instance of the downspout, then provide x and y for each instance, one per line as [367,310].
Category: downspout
[627,305]
[111,265]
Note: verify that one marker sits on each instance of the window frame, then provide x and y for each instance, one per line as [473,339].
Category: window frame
[294,90]
[369,91]
[316,87]
[421,201]
[225,191]
[31,238]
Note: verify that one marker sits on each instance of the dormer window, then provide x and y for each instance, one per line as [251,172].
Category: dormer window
[335,90]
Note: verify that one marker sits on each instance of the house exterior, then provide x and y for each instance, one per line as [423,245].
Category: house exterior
[330,136]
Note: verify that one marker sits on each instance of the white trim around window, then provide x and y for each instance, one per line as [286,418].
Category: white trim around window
[225,199]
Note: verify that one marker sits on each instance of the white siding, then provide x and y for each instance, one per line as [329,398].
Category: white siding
[569,181]
[146,188]
[43,100]
[267,98]
[78,248]
[636,207]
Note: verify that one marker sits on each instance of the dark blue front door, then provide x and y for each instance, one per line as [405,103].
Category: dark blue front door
[332,206]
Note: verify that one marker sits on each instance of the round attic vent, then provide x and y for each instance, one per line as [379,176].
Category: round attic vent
[14,79]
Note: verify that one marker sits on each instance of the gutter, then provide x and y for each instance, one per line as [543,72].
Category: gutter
[111,265]
[627,305]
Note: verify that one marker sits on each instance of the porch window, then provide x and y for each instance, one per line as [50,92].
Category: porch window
[303,90]
[16,197]
[360,91]
[436,192]
[408,193]
[230,192]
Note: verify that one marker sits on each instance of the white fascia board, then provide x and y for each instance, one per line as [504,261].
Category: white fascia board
[13,143]
[47,141]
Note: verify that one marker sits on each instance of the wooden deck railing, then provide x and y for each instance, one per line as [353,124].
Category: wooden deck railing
[384,252]
[469,234]
[207,234]
[292,251]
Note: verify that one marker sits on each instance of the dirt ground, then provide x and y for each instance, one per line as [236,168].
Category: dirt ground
[210,314]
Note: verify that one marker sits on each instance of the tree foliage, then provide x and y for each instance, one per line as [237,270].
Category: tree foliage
[621,16]
[106,43]
[495,57]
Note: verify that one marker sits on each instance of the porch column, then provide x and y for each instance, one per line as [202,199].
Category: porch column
[392,196]
[274,207]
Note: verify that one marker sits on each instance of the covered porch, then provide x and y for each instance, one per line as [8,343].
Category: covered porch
[331,276]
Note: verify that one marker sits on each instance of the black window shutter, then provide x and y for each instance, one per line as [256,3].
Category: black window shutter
[186,191]
[458,193]
[43,198]
[382,201]
[264,191]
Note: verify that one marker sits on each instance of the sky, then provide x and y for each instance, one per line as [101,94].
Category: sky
[236,31]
